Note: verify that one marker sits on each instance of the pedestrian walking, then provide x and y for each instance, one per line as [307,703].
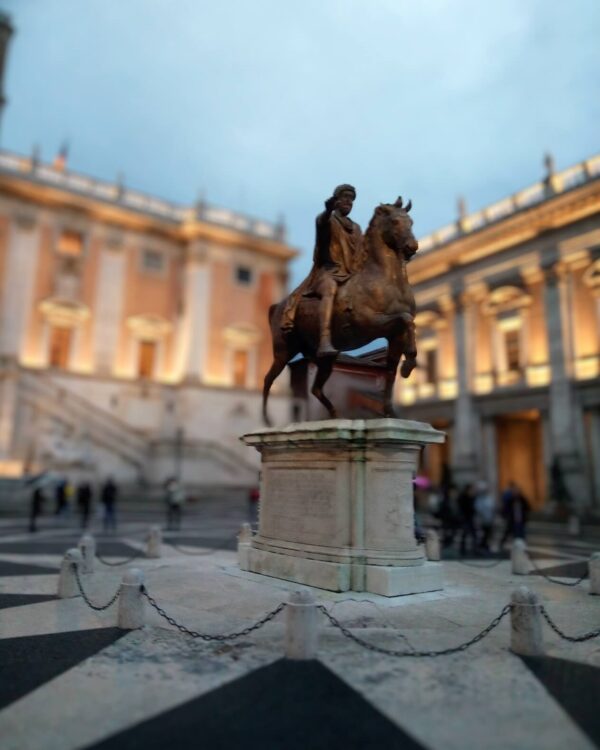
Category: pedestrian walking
[60,497]
[175,499]
[485,512]
[466,507]
[84,502]
[109,501]
[36,506]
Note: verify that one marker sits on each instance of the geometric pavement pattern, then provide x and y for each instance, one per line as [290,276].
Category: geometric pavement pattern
[269,707]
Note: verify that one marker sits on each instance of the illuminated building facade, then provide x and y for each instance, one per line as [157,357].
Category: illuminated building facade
[508,335]
[134,332]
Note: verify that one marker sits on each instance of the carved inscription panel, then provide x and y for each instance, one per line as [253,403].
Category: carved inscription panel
[301,505]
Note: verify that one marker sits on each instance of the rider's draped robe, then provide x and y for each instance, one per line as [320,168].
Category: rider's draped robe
[337,251]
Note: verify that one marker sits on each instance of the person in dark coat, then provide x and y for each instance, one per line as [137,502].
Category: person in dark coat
[109,500]
[36,507]
[466,507]
[84,502]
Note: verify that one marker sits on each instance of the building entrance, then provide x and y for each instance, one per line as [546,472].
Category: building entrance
[520,454]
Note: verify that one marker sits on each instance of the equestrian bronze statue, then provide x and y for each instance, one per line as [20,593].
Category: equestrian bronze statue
[356,292]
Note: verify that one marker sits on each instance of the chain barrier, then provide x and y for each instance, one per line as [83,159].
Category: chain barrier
[201,553]
[206,636]
[135,556]
[87,600]
[484,565]
[390,652]
[555,580]
[564,636]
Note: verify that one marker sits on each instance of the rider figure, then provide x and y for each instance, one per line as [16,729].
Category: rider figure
[337,249]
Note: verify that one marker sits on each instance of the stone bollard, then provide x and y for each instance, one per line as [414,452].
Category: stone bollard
[594,569]
[87,545]
[132,603]
[244,539]
[301,626]
[518,557]
[526,623]
[67,583]
[574,525]
[154,543]
[432,545]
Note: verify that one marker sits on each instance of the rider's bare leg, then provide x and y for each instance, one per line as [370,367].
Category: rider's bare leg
[327,290]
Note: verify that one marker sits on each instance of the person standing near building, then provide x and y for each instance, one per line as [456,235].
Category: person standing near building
[60,497]
[84,502]
[485,512]
[109,501]
[466,507]
[36,506]
[175,498]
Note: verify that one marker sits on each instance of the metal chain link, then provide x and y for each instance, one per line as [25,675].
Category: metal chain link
[87,600]
[555,580]
[564,636]
[203,552]
[484,565]
[139,553]
[390,652]
[206,636]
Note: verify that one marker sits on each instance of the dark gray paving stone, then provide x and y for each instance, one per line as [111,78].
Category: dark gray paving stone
[24,569]
[18,600]
[292,705]
[575,686]
[59,547]
[30,661]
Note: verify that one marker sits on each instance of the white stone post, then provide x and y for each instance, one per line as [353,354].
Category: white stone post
[594,569]
[154,543]
[519,559]
[87,546]
[574,525]
[526,623]
[67,583]
[432,545]
[244,539]
[301,626]
[131,602]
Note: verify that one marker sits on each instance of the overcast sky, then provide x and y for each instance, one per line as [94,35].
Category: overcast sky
[265,105]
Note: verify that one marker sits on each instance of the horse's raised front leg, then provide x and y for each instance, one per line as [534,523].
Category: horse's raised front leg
[324,368]
[395,348]
[410,346]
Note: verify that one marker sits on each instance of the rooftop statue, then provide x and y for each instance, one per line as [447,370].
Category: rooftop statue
[356,292]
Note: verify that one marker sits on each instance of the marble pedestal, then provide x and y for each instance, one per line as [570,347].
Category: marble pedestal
[336,508]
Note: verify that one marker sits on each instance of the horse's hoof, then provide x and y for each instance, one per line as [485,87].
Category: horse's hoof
[326,350]
[407,367]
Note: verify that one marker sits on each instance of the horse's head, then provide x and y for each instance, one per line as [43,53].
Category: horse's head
[395,227]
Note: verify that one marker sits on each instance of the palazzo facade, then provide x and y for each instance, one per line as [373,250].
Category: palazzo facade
[508,326]
[134,332]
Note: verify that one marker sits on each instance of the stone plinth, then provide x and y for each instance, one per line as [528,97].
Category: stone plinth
[336,509]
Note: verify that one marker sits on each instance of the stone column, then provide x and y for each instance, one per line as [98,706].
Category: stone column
[490,455]
[464,462]
[19,281]
[563,423]
[108,308]
[192,344]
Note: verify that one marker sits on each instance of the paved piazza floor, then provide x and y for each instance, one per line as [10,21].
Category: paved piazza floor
[71,679]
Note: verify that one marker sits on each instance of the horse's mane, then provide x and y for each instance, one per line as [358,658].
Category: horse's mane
[368,236]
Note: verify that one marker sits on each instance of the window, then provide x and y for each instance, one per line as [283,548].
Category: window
[60,346]
[243,275]
[431,366]
[153,261]
[70,244]
[512,348]
[240,368]
[146,357]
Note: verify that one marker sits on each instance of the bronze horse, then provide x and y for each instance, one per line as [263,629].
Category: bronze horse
[376,302]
